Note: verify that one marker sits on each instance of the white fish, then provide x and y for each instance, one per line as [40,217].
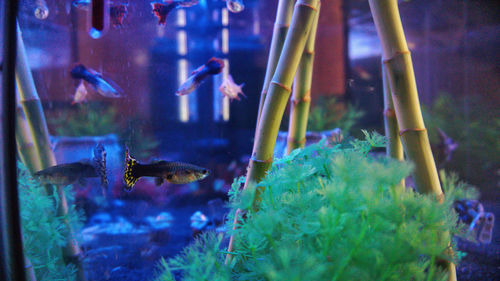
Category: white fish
[188,86]
[80,94]
[230,89]
[235,6]
[211,67]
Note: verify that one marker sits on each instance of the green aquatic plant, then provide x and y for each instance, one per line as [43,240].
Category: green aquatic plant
[473,134]
[330,213]
[90,119]
[45,231]
[94,119]
[327,114]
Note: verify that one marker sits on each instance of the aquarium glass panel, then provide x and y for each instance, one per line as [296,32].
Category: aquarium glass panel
[139,134]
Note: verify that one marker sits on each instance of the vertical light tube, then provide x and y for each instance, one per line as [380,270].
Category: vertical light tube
[221,104]
[182,69]
[182,64]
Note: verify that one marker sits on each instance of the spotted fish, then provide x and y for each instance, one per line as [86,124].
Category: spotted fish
[172,172]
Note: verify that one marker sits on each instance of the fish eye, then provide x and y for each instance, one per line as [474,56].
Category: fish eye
[205,171]
[169,177]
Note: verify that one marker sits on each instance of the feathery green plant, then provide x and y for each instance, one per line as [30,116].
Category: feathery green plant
[325,115]
[85,120]
[477,137]
[94,119]
[45,233]
[330,213]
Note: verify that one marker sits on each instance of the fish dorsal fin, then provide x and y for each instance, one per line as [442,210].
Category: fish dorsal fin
[129,175]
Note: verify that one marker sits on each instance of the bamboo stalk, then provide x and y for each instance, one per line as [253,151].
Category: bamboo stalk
[33,111]
[25,147]
[32,106]
[301,96]
[276,100]
[281,25]
[394,148]
[404,93]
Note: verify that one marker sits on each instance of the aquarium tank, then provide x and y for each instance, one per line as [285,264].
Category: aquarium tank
[249,140]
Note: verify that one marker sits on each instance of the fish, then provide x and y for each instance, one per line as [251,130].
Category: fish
[117,13]
[69,173]
[235,6]
[444,149]
[105,87]
[212,67]
[80,94]
[170,171]
[162,9]
[230,89]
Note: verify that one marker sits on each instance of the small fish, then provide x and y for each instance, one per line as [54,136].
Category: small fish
[230,89]
[235,6]
[212,67]
[162,9]
[65,174]
[117,13]
[105,87]
[445,148]
[80,94]
[172,172]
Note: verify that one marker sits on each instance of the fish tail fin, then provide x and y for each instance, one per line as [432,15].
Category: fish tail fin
[100,164]
[214,66]
[130,175]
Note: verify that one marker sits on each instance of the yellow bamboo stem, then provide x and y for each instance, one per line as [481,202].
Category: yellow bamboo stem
[33,112]
[394,148]
[276,100]
[281,24]
[301,96]
[25,147]
[397,60]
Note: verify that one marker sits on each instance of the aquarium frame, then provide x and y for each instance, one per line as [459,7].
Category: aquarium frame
[12,245]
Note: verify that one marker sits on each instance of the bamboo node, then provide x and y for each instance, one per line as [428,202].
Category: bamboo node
[280,25]
[307,5]
[309,52]
[305,98]
[253,159]
[282,86]
[389,112]
[401,132]
[397,54]
[294,141]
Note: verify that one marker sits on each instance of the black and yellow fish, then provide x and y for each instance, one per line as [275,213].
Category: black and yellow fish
[172,172]
[65,174]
